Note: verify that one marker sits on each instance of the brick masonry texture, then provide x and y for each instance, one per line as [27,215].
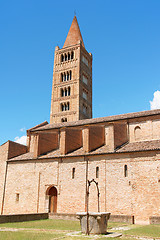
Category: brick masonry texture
[49,175]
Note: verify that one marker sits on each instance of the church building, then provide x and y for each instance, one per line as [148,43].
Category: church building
[121,153]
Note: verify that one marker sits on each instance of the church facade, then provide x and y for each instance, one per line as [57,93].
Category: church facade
[121,153]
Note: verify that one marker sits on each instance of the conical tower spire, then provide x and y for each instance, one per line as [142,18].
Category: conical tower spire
[74,34]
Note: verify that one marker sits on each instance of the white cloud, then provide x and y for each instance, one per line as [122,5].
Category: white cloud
[23,129]
[155,104]
[21,140]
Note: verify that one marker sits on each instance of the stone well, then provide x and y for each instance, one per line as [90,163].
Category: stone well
[97,222]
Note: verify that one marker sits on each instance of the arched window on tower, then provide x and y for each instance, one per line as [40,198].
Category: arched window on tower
[64,120]
[65,92]
[67,76]
[62,58]
[65,57]
[67,105]
[72,55]
[62,79]
[69,56]
[70,75]
[69,91]
[62,107]
[62,93]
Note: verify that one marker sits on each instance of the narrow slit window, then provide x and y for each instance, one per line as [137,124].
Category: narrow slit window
[73,173]
[17,197]
[125,171]
[97,172]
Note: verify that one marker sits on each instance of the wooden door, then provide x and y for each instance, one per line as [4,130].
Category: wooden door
[53,200]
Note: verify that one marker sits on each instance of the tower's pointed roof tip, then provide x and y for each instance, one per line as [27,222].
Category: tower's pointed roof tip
[74,34]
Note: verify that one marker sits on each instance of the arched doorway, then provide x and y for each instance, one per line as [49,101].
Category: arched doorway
[52,193]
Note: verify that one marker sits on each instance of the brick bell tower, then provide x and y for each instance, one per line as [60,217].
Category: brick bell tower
[72,79]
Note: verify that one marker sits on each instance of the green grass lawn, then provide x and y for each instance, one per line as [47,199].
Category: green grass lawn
[46,224]
[50,229]
[30,235]
[148,231]
[54,224]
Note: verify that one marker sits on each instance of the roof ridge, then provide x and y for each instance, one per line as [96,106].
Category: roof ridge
[101,119]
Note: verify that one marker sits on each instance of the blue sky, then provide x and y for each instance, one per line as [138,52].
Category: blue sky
[122,35]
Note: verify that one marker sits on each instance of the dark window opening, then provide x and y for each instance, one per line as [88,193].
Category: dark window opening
[62,58]
[62,77]
[68,106]
[69,56]
[73,173]
[125,171]
[67,76]
[69,91]
[17,197]
[65,106]
[97,172]
[72,55]
[64,120]
[62,107]
[62,93]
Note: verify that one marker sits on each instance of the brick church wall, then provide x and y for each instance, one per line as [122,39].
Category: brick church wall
[136,194]
[148,129]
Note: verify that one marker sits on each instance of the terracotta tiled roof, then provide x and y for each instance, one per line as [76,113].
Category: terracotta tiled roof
[26,156]
[99,120]
[130,147]
[39,125]
[74,34]
[140,146]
